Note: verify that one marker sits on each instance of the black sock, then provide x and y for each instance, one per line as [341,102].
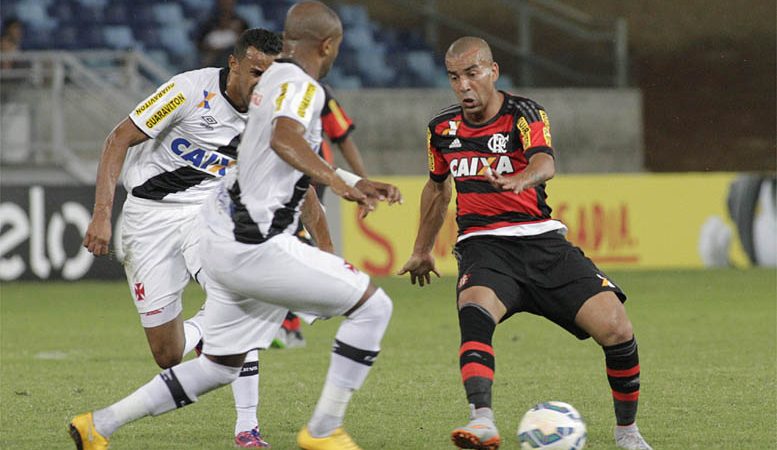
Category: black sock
[623,374]
[476,356]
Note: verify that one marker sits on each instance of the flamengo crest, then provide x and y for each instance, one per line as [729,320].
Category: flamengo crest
[498,143]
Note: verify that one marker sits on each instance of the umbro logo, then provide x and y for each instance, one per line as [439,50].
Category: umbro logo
[209,122]
[455,144]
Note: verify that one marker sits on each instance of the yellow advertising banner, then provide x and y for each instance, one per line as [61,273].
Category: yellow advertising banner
[621,221]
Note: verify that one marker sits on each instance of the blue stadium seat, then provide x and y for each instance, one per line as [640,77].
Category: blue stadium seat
[353,15]
[119,37]
[35,16]
[252,14]
[168,13]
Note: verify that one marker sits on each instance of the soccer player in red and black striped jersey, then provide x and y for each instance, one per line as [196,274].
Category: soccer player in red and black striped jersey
[513,256]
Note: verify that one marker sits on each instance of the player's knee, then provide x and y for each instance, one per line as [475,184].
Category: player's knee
[165,357]
[377,308]
[218,374]
[616,331]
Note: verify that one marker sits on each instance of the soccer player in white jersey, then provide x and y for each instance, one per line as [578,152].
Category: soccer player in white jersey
[250,226]
[184,139]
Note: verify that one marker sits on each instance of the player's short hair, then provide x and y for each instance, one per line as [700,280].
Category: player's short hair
[263,40]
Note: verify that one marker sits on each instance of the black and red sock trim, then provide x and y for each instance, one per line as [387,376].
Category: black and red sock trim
[476,355]
[623,371]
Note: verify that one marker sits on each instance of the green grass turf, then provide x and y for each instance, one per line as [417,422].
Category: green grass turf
[707,347]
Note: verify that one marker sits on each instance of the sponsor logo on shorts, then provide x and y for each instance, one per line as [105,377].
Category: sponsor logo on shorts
[350,267]
[154,99]
[166,109]
[154,312]
[256,99]
[207,97]
[463,280]
[140,292]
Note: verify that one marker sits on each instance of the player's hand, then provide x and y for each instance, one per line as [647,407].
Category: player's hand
[420,266]
[353,194]
[378,191]
[98,234]
[499,181]
[381,191]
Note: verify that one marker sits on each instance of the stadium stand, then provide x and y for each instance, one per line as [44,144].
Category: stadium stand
[167,31]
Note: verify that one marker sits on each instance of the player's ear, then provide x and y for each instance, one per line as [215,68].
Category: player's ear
[232,62]
[326,46]
[494,71]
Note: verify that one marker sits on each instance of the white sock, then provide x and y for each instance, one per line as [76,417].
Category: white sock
[175,387]
[192,332]
[330,410]
[357,344]
[245,391]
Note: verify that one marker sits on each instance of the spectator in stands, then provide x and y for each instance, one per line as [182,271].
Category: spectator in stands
[11,39]
[219,34]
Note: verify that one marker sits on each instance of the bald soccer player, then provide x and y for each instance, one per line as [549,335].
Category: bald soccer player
[513,257]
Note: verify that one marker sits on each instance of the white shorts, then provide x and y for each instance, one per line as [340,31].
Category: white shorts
[160,252]
[284,274]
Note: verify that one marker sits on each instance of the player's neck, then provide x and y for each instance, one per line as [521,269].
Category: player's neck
[234,97]
[305,58]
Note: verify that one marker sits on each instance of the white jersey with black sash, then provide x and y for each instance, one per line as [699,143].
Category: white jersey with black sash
[194,130]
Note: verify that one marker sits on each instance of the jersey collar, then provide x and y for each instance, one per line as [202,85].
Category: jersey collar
[223,74]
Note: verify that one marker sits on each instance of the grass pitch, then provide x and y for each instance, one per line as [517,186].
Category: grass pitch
[707,349]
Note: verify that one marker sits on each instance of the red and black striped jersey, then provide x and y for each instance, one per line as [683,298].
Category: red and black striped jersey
[505,143]
[335,123]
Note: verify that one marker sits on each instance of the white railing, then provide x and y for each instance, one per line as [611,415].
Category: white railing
[58,106]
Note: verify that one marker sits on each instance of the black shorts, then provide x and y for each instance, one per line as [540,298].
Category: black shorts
[543,275]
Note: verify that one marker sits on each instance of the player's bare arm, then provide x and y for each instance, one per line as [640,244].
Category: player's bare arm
[123,136]
[352,156]
[314,219]
[540,169]
[435,198]
[288,141]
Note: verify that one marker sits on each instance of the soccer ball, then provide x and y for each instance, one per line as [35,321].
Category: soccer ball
[552,425]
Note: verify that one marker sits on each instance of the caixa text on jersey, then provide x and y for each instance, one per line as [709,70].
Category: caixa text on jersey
[207,160]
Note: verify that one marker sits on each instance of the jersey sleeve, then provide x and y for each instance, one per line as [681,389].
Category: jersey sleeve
[534,128]
[300,100]
[438,168]
[164,107]
[336,123]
